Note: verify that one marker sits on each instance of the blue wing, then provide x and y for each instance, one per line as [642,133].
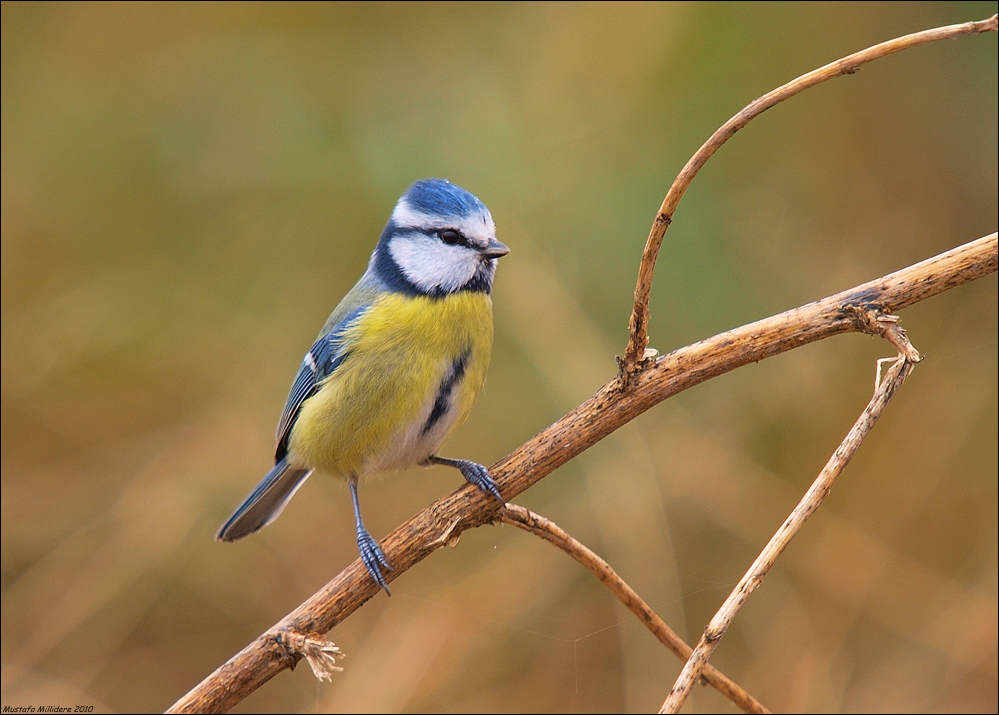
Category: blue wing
[325,356]
[277,488]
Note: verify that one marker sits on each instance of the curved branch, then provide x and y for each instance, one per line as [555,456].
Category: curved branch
[719,624]
[634,356]
[553,534]
[611,407]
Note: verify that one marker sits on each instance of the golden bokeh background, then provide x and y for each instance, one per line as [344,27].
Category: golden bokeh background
[188,190]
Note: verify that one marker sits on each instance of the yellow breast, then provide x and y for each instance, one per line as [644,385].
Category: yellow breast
[413,369]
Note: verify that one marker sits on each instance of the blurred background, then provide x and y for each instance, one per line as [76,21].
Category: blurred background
[189,189]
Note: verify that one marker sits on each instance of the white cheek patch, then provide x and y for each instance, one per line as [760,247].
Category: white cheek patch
[430,264]
[479,227]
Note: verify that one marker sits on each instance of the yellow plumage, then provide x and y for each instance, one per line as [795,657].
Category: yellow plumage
[369,414]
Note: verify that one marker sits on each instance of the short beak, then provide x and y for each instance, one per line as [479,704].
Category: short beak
[495,249]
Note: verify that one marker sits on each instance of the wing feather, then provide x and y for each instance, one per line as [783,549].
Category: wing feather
[322,360]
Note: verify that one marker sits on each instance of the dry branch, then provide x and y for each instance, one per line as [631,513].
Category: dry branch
[610,408]
[885,390]
[635,353]
[553,534]
[641,383]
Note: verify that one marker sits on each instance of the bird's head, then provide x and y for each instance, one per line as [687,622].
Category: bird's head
[440,240]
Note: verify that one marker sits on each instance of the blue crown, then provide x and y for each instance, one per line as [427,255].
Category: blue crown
[439,197]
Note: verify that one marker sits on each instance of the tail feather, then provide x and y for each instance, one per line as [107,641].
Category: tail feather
[265,503]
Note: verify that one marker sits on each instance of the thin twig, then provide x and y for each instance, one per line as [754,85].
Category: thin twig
[694,666]
[634,356]
[599,416]
[553,534]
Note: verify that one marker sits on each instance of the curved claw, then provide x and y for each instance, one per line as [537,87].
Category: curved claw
[373,558]
[479,476]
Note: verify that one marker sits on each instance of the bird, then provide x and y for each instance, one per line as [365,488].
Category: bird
[397,365]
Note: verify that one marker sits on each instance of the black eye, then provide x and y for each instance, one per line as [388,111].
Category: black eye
[450,236]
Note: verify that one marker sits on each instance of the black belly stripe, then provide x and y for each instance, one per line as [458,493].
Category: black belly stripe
[443,400]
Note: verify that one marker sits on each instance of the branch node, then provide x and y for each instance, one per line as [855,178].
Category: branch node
[874,321]
[713,634]
[320,653]
[626,371]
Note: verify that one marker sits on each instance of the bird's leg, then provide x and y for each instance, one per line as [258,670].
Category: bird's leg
[473,473]
[371,554]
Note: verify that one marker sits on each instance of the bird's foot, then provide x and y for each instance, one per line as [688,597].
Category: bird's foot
[373,558]
[479,476]
[473,473]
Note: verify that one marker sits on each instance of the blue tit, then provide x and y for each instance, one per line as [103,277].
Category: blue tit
[397,365]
